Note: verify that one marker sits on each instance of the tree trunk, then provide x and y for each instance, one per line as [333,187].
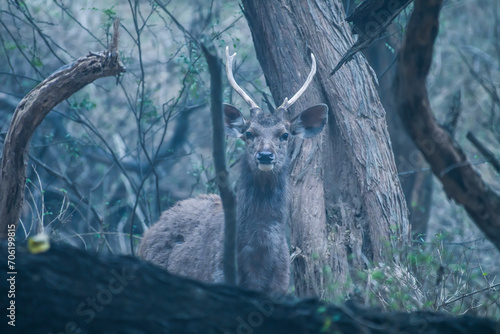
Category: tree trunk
[347,206]
[67,290]
[416,184]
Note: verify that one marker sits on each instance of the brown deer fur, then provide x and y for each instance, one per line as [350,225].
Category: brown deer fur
[188,238]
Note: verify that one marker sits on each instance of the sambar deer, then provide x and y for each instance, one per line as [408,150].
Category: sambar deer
[188,238]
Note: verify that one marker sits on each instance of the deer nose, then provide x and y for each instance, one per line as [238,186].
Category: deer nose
[265,157]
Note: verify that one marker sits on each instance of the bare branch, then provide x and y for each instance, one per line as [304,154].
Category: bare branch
[71,184]
[484,151]
[448,302]
[29,114]
[448,162]
[370,19]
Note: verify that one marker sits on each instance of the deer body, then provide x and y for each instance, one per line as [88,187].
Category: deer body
[188,238]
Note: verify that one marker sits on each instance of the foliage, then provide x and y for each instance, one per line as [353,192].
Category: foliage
[439,276]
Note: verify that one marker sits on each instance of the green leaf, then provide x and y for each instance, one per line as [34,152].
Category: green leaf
[36,62]
[326,325]
[321,309]
[378,275]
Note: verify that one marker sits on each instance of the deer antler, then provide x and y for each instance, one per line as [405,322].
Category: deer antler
[230,77]
[287,103]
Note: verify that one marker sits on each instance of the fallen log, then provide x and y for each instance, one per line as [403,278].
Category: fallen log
[68,290]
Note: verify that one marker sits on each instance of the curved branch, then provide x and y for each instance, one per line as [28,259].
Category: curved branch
[449,163]
[31,111]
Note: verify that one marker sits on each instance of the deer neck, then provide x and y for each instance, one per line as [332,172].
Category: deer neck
[262,199]
[263,260]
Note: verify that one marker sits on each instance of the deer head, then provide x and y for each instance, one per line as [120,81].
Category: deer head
[267,134]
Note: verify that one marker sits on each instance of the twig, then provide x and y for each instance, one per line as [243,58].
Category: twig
[489,87]
[70,183]
[469,294]
[178,24]
[484,151]
[370,19]
[268,102]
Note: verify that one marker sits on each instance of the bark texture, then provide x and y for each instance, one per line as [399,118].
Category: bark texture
[67,290]
[416,184]
[370,19]
[460,180]
[347,207]
[31,111]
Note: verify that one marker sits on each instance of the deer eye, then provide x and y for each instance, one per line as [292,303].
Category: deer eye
[249,135]
[284,137]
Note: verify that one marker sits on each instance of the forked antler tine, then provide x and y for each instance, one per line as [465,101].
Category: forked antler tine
[230,77]
[287,103]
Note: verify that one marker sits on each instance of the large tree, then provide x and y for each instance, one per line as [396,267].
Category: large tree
[347,206]
[417,186]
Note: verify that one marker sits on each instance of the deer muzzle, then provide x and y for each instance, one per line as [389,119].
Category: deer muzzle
[265,160]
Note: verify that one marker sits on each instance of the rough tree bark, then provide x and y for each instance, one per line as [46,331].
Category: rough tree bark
[417,186]
[460,180]
[347,207]
[371,20]
[67,290]
[31,111]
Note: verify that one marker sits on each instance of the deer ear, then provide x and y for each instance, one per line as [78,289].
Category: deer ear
[310,122]
[235,123]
